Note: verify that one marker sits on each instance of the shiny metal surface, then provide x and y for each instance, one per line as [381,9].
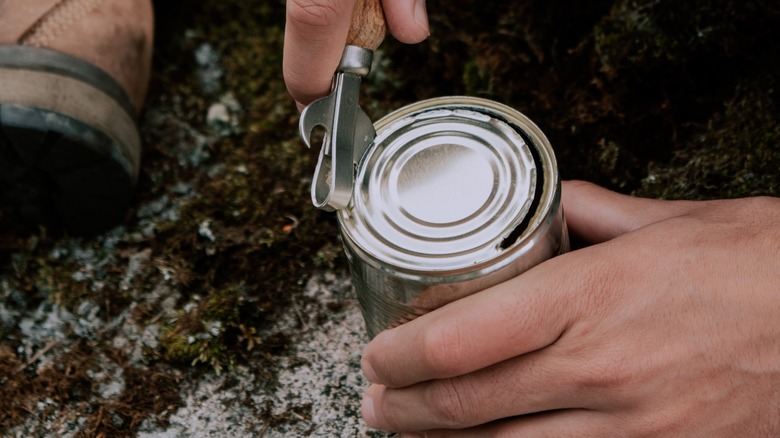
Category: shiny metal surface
[442,190]
[454,195]
[348,131]
[356,60]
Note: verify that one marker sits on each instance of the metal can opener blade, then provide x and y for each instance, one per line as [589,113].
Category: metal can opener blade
[348,131]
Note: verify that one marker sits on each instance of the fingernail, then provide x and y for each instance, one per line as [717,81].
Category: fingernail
[368,371]
[367,410]
[421,16]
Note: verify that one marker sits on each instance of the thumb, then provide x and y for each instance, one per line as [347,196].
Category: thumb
[407,20]
[595,214]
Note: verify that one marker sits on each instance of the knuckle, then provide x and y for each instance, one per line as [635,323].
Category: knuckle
[612,376]
[312,13]
[450,402]
[442,348]
[603,376]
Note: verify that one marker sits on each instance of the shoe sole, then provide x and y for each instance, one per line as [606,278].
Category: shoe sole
[69,145]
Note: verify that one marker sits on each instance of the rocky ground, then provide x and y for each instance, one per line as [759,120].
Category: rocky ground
[222,306]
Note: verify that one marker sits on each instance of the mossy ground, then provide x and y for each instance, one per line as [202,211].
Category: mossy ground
[660,99]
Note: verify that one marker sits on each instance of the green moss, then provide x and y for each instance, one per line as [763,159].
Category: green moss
[215,330]
[475,80]
[187,350]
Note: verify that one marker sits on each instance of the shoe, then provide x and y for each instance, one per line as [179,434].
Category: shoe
[73,77]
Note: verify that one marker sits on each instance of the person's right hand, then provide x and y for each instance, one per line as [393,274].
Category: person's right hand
[666,326]
[316,33]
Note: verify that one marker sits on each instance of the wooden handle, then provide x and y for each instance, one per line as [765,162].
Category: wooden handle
[368,25]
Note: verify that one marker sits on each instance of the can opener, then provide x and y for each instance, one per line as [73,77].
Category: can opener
[348,130]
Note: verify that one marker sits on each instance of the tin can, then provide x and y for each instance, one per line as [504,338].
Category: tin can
[454,195]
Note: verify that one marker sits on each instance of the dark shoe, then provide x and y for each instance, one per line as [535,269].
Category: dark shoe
[73,75]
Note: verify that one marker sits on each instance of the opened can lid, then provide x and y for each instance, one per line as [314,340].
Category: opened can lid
[448,184]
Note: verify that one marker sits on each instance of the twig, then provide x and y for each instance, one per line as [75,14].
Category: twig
[38,355]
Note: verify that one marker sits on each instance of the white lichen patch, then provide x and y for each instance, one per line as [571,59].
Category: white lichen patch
[318,384]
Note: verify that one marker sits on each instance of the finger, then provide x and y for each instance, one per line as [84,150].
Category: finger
[314,40]
[407,20]
[596,214]
[579,423]
[474,332]
[477,398]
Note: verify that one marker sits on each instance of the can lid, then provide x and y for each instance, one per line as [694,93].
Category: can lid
[441,188]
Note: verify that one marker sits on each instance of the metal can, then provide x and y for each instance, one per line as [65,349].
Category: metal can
[454,195]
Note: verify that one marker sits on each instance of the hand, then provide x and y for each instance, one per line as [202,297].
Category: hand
[316,33]
[669,326]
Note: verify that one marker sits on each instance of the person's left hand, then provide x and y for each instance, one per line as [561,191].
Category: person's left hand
[669,326]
